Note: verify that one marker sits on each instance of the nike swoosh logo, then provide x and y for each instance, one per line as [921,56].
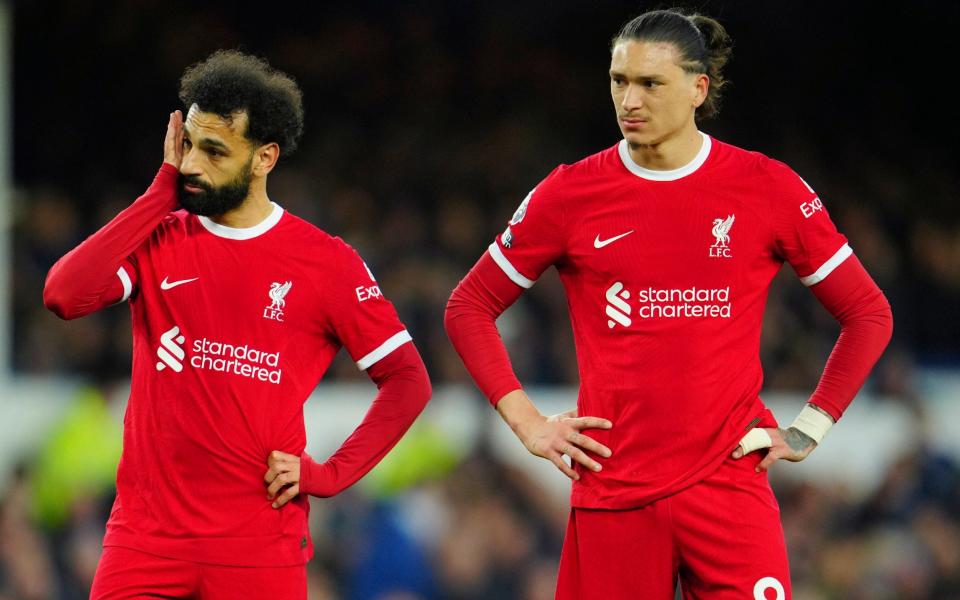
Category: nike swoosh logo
[165,285]
[598,243]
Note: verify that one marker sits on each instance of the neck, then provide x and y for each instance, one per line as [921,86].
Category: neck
[255,208]
[669,153]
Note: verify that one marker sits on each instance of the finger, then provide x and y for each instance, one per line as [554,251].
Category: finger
[581,457]
[590,444]
[281,480]
[288,495]
[557,459]
[570,414]
[591,423]
[755,439]
[270,475]
[277,456]
[768,460]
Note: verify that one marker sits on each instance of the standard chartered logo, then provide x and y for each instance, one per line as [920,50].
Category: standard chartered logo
[656,303]
[617,308]
[222,357]
[171,351]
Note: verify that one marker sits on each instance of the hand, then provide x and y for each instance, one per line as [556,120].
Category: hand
[283,472]
[552,437]
[173,143]
[789,444]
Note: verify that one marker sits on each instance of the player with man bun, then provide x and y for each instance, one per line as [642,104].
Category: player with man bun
[666,244]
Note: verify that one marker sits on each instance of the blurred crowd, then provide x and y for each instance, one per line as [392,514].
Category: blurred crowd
[424,132]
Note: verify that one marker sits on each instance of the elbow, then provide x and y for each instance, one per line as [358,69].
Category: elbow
[57,302]
[450,314]
[424,389]
[886,314]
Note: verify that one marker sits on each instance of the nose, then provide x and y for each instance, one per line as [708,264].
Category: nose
[632,98]
[190,165]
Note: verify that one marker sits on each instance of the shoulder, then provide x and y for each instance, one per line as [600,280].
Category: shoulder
[329,252]
[753,163]
[572,180]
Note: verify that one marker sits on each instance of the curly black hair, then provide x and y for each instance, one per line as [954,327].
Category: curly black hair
[229,81]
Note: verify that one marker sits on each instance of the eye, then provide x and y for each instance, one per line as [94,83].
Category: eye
[617,80]
[186,143]
[651,84]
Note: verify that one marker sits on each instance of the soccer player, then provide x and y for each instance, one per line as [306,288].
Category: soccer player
[666,244]
[238,308]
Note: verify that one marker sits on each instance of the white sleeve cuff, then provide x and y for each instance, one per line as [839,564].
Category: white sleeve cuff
[515,276]
[394,342]
[834,261]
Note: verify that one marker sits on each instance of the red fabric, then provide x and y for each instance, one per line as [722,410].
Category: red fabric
[404,390]
[127,574]
[470,321]
[666,282]
[85,279]
[866,322]
[232,330]
[722,537]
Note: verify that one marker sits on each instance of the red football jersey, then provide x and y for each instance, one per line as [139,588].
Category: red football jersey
[666,275]
[232,330]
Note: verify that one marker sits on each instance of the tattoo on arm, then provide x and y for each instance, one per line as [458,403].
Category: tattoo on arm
[798,441]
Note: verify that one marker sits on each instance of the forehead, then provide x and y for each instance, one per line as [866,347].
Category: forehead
[200,124]
[636,57]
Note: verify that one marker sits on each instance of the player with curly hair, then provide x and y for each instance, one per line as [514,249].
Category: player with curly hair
[238,308]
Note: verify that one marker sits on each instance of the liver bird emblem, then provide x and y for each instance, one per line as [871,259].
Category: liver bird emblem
[277,293]
[721,231]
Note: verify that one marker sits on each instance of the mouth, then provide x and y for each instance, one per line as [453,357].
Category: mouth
[193,189]
[633,123]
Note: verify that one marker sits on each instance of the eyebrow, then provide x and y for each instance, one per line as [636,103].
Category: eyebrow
[614,72]
[207,142]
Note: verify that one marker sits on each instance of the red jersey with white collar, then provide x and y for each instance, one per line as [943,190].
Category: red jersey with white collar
[232,330]
[666,275]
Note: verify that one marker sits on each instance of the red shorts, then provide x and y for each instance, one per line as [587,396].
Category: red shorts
[125,573]
[722,537]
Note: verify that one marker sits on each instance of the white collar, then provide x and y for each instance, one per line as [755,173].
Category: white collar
[243,233]
[672,174]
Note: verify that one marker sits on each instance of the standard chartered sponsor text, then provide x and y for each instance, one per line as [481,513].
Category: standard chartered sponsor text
[689,302]
[236,359]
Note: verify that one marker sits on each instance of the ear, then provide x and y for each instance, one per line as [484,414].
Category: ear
[701,88]
[265,158]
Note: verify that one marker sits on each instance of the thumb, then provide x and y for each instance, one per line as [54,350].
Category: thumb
[755,439]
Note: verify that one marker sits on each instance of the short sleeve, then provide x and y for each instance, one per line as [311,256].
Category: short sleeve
[363,320]
[805,235]
[534,237]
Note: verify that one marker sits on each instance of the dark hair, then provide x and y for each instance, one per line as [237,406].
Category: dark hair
[229,81]
[702,42]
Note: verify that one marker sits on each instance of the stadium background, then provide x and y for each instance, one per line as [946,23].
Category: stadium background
[426,124]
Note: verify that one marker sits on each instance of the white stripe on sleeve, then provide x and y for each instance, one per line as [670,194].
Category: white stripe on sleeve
[127,284]
[498,257]
[394,342]
[826,268]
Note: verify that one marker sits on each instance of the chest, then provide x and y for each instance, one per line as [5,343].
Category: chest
[669,234]
[247,290]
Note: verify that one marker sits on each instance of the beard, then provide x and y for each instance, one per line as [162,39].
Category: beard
[215,200]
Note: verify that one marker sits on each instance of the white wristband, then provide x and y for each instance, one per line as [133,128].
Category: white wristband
[813,423]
